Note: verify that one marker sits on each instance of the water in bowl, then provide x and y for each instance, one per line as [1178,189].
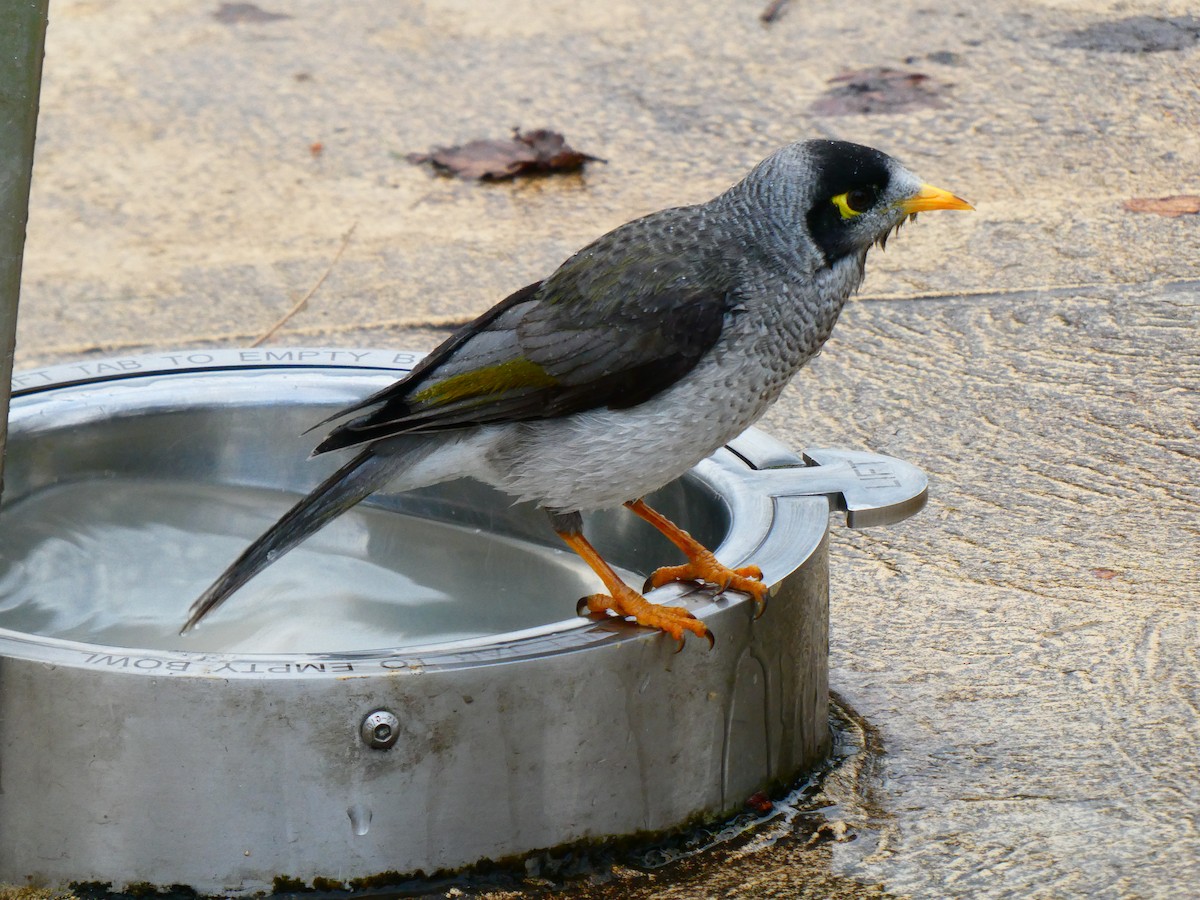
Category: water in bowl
[118,561]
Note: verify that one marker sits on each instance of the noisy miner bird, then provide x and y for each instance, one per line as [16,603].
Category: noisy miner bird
[641,355]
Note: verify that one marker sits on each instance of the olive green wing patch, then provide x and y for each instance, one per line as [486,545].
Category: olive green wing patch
[490,381]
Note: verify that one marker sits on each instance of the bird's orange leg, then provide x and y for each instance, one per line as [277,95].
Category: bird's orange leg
[702,565]
[625,601]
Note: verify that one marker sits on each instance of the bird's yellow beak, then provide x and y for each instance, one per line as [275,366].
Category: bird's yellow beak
[930,197]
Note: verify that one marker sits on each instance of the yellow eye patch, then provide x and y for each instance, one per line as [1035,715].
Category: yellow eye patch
[854,203]
[844,207]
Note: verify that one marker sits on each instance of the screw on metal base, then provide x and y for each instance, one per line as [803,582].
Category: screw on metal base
[380,729]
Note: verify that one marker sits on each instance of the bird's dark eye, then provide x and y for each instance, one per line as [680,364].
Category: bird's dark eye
[855,202]
[860,199]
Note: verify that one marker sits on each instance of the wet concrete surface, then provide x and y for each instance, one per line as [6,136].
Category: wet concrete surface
[1026,649]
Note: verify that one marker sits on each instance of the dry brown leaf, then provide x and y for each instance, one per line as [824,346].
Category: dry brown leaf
[528,152]
[878,90]
[772,11]
[1172,207]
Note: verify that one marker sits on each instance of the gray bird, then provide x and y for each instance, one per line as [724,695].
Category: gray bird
[641,355]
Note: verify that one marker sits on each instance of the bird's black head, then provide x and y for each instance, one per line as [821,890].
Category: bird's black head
[831,200]
[855,189]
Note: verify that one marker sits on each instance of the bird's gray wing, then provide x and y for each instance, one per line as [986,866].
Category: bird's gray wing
[620,321]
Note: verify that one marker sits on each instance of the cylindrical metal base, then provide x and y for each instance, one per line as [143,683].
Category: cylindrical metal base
[226,771]
[127,767]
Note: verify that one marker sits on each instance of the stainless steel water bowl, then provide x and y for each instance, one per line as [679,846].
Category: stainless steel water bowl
[312,731]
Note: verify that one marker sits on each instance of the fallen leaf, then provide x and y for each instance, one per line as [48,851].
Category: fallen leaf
[878,90]
[759,803]
[524,153]
[1172,207]
[772,11]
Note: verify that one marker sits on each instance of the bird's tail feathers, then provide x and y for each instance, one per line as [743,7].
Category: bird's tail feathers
[364,474]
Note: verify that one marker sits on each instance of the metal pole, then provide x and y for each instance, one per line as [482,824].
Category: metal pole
[22,43]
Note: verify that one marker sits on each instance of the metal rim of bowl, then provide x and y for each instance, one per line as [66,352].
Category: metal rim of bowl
[755,513]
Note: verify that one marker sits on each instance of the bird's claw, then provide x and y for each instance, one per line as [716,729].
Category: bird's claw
[708,635]
[706,569]
[673,620]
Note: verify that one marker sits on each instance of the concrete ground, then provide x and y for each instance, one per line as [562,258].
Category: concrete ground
[1025,652]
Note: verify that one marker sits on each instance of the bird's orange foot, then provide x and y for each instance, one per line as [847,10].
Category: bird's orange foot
[674,620]
[704,567]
